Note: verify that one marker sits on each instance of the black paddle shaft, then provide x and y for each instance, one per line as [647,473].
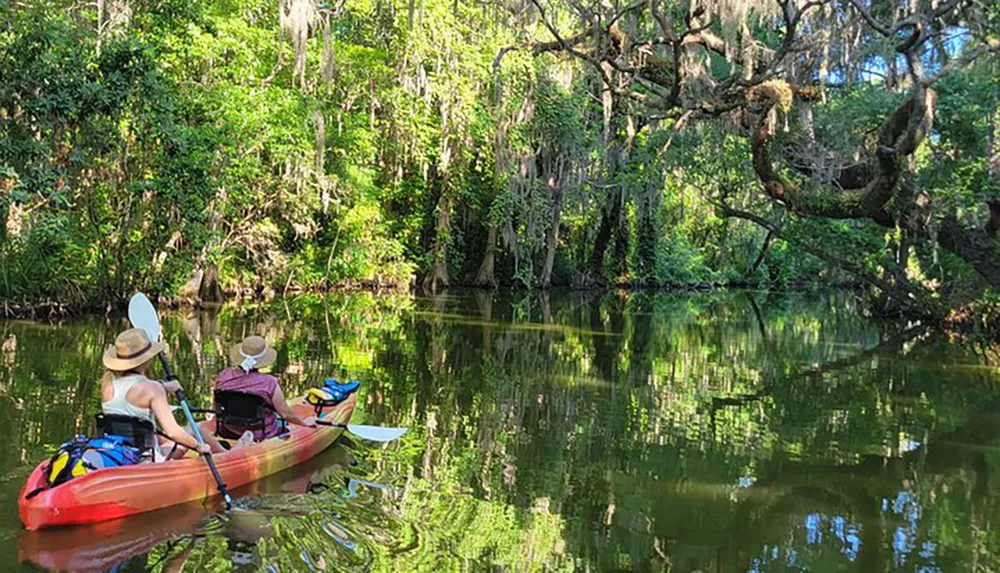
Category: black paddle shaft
[166,367]
[208,457]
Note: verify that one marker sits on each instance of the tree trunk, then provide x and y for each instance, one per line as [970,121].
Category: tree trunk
[211,290]
[620,253]
[891,70]
[501,165]
[551,245]
[438,276]
[646,243]
[552,238]
[442,230]
[609,220]
[113,16]
[993,171]
[613,158]
[622,233]
[119,16]
[100,26]
[760,256]
[192,288]
[319,122]
[328,61]
[994,222]
[486,276]
[6,184]
[993,147]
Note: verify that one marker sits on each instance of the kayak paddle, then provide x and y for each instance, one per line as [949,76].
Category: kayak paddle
[374,433]
[142,314]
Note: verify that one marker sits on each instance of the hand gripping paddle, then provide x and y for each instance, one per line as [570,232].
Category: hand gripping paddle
[142,314]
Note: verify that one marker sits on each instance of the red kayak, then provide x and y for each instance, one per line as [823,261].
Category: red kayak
[117,492]
[105,545]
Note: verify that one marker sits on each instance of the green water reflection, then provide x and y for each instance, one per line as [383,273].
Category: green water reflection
[645,432]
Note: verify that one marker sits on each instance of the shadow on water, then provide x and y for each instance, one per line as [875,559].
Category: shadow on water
[644,432]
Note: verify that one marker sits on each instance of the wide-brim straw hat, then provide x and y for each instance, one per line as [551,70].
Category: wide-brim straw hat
[131,348]
[256,348]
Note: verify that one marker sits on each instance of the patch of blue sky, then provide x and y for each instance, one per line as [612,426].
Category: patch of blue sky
[875,67]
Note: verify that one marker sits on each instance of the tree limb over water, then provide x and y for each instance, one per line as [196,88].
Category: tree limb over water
[652,64]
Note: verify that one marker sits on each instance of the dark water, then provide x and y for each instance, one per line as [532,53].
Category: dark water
[719,432]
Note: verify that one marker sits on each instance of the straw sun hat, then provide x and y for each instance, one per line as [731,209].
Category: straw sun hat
[132,348]
[252,353]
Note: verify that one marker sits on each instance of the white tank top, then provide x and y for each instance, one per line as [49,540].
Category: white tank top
[119,405]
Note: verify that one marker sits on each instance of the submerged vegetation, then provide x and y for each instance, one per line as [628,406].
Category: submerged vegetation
[279,144]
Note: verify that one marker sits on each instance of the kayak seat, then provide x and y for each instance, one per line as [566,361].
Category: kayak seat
[140,433]
[236,412]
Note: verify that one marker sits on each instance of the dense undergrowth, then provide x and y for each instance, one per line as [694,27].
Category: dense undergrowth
[294,144]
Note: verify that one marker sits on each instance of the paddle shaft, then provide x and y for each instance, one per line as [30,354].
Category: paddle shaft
[197,433]
[334,424]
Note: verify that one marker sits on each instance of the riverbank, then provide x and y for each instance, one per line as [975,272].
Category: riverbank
[48,309]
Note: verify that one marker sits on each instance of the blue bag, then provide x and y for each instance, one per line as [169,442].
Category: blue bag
[82,455]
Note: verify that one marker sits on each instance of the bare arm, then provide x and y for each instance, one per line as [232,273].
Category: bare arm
[286,411]
[165,416]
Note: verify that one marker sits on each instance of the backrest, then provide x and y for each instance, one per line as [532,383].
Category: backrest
[237,412]
[240,408]
[141,433]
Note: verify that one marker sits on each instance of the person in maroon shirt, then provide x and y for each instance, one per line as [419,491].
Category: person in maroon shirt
[250,356]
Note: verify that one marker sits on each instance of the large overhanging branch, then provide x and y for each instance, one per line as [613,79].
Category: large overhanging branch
[897,138]
[622,63]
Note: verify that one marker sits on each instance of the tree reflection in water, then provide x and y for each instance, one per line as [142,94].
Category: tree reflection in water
[646,432]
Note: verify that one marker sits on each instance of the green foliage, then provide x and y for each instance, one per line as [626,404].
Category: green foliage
[199,134]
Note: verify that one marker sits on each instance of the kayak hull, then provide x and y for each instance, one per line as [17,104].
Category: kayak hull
[106,545]
[118,492]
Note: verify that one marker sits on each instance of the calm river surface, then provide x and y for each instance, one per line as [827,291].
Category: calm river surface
[706,432]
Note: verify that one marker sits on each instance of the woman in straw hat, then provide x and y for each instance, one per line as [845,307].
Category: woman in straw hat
[126,391]
[249,357]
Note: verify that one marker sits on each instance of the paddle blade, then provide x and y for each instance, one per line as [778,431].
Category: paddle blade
[142,314]
[375,433]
